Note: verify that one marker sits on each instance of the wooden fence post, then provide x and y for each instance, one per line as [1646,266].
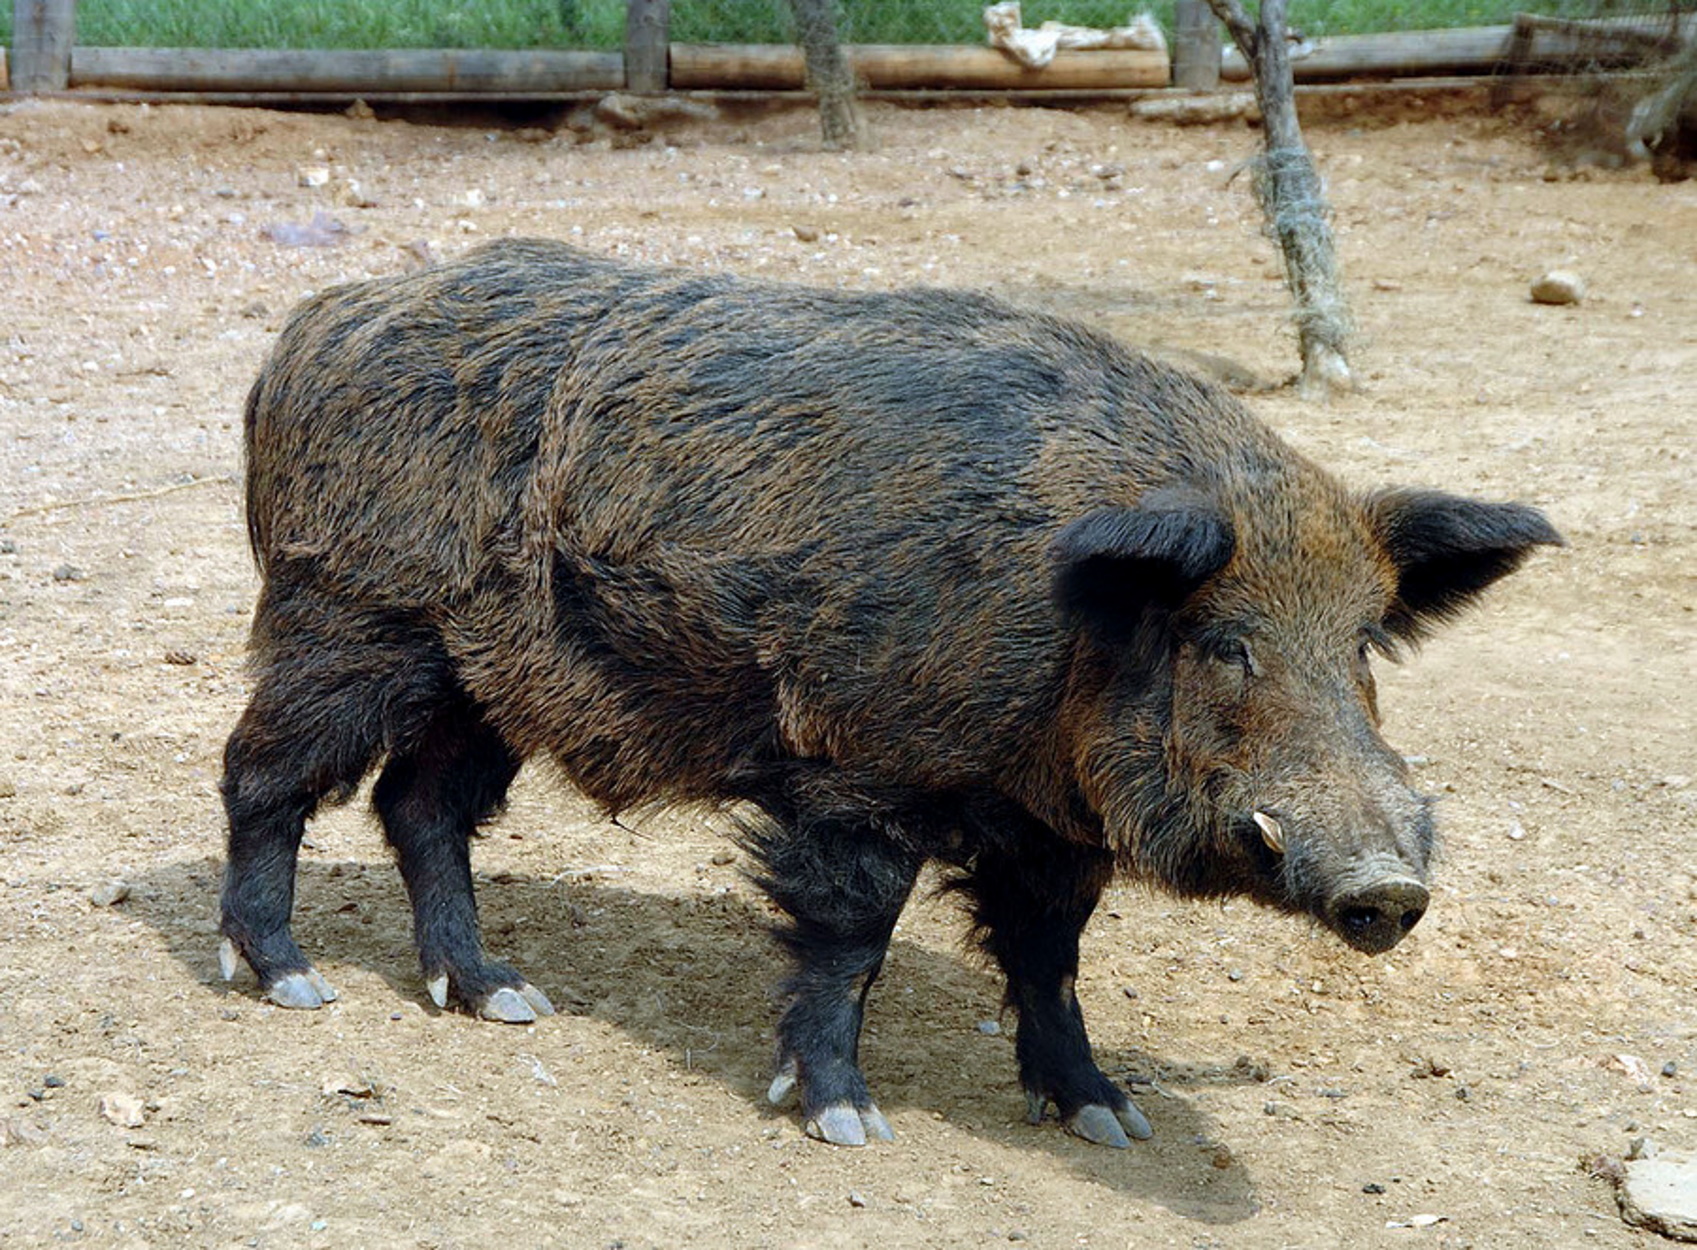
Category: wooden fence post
[647,41]
[1196,46]
[41,44]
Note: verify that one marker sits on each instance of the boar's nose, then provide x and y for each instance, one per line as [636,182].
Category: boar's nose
[1376,918]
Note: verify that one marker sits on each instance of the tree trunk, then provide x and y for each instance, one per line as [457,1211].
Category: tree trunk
[1292,200]
[828,74]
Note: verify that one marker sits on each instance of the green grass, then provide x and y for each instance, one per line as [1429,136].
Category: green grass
[600,23]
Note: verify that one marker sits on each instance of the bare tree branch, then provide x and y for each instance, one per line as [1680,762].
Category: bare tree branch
[1292,199]
[1237,22]
[829,75]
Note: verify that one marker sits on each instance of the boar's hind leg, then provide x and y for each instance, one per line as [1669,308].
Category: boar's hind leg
[1031,902]
[431,796]
[308,732]
[843,884]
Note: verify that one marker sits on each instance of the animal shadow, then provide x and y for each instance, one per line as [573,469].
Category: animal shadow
[695,975]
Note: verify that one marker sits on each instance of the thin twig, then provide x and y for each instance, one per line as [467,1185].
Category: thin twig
[1237,22]
[91,500]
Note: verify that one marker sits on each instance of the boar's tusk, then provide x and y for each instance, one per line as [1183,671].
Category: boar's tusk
[1271,832]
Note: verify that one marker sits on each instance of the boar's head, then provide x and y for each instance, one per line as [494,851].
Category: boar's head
[1221,713]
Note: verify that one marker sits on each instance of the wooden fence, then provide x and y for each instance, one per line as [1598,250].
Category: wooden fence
[45,58]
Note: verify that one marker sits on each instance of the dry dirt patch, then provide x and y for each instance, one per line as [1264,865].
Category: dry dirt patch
[1300,1095]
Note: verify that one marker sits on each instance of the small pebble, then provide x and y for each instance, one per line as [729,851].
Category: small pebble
[69,573]
[1372,1187]
[1670,1069]
[990,1028]
[856,1198]
[806,234]
[178,656]
[1558,287]
[109,894]
[53,1082]
[124,1110]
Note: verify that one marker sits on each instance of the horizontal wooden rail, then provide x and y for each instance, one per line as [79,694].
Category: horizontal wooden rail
[775,67]
[1468,50]
[467,71]
[693,67]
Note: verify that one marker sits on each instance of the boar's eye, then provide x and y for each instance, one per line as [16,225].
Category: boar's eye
[1232,653]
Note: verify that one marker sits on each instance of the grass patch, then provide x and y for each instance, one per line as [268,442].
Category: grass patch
[601,23]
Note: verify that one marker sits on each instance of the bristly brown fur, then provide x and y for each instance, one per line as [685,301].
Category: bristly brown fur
[920,575]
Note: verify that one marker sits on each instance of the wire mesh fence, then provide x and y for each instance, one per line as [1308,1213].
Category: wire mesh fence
[599,24]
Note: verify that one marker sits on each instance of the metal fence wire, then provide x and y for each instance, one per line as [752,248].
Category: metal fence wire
[600,24]
[961,21]
[882,21]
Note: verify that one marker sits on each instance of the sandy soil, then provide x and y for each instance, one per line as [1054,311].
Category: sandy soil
[1301,1095]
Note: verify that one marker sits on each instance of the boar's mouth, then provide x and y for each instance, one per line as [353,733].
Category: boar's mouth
[1372,905]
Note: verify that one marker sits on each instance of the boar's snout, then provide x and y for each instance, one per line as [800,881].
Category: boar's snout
[1376,917]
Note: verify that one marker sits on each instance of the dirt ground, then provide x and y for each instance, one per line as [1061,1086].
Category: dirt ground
[1457,1092]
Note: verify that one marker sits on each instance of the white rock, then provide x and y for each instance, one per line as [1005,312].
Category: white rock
[1660,1194]
[124,1110]
[1558,287]
[109,893]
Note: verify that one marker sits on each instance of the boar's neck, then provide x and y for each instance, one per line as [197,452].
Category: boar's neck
[1120,794]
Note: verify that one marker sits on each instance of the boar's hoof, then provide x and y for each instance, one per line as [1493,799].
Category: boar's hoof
[1378,917]
[842,1124]
[304,991]
[783,1084]
[438,990]
[1108,1126]
[515,1005]
[228,957]
[1095,1122]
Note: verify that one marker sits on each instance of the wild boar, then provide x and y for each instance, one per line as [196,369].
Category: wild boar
[913,576]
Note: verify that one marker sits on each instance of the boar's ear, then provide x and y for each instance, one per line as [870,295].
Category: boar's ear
[1112,565]
[1447,549]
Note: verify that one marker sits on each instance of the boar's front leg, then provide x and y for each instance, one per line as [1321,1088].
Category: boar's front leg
[1032,894]
[843,883]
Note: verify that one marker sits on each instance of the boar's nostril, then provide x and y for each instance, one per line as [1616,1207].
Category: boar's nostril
[1359,919]
[1378,917]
